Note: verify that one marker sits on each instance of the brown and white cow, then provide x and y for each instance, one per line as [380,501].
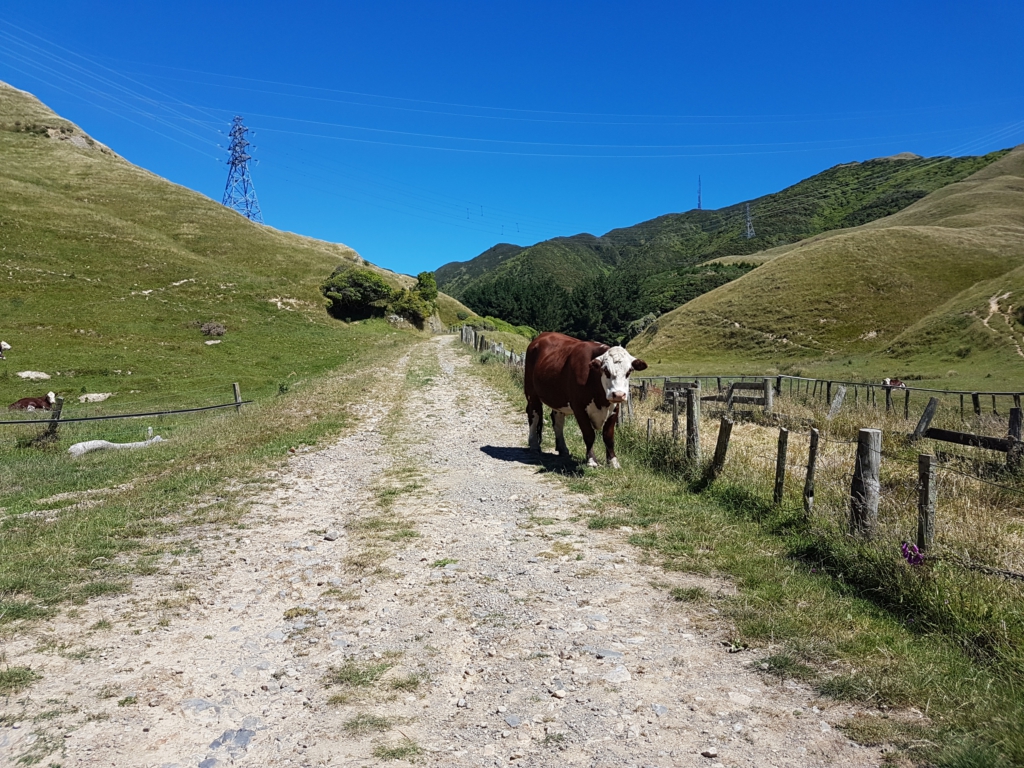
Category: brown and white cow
[33,403]
[584,378]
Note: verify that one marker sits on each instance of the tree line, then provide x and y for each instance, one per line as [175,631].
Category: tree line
[610,308]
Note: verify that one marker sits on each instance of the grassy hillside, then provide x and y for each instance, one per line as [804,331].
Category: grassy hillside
[111,269]
[931,291]
[652,267]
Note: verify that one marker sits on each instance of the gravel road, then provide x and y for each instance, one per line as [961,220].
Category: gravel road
[417,591]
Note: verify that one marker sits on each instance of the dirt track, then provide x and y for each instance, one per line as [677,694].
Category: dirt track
[538,642]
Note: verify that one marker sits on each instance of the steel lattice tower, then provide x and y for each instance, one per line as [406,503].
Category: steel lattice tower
[750,224]
[239,193]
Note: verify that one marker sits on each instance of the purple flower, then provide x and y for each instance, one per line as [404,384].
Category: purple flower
[911,553]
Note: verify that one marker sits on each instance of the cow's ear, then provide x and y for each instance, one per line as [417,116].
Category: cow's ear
[639,365]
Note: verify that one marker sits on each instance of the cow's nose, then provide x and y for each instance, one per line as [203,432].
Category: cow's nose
[617,397]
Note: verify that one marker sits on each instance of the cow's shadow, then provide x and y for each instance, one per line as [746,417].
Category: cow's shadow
[548,462]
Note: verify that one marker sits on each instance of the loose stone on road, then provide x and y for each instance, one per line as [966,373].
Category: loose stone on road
[418,590]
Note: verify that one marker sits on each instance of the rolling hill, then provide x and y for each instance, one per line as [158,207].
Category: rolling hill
[932,291]
[662,258]
[112,269]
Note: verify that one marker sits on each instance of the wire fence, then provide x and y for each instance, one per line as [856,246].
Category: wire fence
[58,417]
[979,505]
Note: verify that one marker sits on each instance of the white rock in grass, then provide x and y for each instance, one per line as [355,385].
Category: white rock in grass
[211,343]
[94,397]
[33,375]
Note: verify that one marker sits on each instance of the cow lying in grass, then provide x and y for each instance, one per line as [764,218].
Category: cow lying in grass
[33,403]
[584,378]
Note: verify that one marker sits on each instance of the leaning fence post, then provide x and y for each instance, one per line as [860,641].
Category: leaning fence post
[926,419]
[238,397]
[926,493]
[721,447]
[812,460]
[693,423]
[865,488]
[58,406]
[1014,455]
[780,466]
[769,399]
[837,403]
[675,414]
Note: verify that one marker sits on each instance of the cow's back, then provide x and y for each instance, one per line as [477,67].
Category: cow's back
[551,362]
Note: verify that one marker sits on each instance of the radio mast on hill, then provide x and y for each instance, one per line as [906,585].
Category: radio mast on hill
[698,193]
[239,193]
[750,224]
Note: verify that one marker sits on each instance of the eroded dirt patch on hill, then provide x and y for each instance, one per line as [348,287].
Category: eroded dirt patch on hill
[419,590]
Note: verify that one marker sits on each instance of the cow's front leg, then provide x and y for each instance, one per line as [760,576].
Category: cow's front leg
[535,415]
[558,424]
[608,433]
[589,435]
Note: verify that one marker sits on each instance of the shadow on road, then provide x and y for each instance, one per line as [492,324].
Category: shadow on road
[550,462]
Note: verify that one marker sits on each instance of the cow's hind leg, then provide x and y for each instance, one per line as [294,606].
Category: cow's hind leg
[558,424]
[535,415]
[609,440]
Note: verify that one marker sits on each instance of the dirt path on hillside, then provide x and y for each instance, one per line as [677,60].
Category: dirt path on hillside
[505,631]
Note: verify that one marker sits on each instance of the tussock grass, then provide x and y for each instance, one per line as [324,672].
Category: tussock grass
[403,750]
[16,679]
[357,674]
[364,723]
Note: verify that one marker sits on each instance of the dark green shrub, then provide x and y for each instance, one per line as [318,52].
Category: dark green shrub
[426,286]
[412,306]
[462,315]
[357,293]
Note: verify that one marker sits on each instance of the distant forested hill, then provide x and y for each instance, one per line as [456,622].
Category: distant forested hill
[602,287]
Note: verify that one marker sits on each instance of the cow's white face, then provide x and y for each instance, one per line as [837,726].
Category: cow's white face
[51,397]
[615,365]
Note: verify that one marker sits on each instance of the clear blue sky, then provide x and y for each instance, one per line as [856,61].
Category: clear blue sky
[422,133]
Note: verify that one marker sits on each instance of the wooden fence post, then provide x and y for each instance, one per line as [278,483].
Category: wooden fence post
[812,460]
[888,398]
[828,392]
[926,419]
[961,406]
[58,406]
[906,405]
[865,488]
[238,397]
[693,423]
[1014,455]
[778,386]
[769,399]
[721,447]
[650,429]
[837,403]
[675,414]
[780,466]
[1016,400]
[976,402]
[926,493]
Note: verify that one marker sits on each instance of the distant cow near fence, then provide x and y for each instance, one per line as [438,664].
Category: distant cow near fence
[33,403]
[584,378]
